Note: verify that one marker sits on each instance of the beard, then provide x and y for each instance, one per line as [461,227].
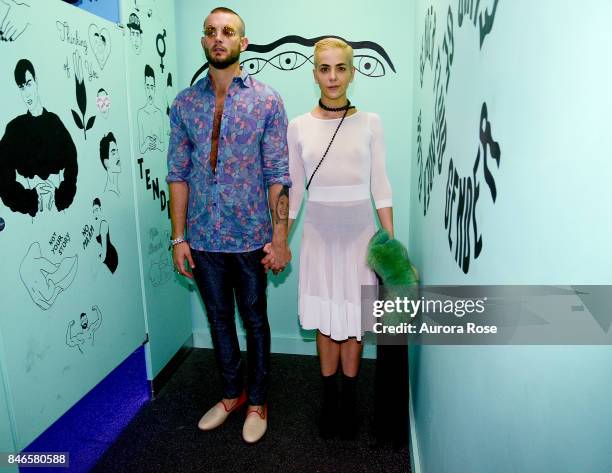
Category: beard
[224,63]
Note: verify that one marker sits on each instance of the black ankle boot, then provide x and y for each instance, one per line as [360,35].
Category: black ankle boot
[349,421]
[328,420]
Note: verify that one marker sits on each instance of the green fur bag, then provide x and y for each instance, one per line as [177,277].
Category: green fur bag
[388,258]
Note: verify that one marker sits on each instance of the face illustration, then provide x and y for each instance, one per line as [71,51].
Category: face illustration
[84,321]
[29,92]
[149,88]
[333,73]
[136,40]
[103,103]
[221,41]
[114,160]
[99,44]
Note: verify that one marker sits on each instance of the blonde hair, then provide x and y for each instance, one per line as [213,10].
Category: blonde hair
[333,43]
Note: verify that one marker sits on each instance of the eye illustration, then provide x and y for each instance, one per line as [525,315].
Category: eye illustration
[289,60]
[254,65]
[365,64]
[369,65]
[285,61]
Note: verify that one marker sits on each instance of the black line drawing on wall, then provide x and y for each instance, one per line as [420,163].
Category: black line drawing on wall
[13,19]
[86,333]
[81,95]
[43,279]
[170,94]
[38,159]
[161,268]
[111,160]
[103,102]
[461,192]
[108,253]
[150,118]
[365,62]
[161,50]
[100,42]
[135,33]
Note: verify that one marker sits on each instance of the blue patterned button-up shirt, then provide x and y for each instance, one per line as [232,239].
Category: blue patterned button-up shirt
[228,210]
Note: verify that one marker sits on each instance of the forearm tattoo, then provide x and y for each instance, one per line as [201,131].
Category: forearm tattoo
[281,212]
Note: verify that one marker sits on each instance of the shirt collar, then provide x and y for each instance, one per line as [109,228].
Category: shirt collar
[244,79]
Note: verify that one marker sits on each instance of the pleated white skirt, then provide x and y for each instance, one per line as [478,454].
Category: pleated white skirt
[333,266]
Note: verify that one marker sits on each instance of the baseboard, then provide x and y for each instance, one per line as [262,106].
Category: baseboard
[167,371]
[288,345]
[415,458]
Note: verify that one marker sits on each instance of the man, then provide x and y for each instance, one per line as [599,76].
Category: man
[150,118]
[109,156]
[227,151]
[38,159]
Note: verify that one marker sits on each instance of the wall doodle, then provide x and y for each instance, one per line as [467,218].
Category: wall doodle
[38,159]
[13,19]
[161,268]
[150,118]
[100,42]
[462,193]
[135,33]
[43,279]
[111,160]
[107,253]
[86,332]
[103,102]
[161,50]
[365,62]
[81,96]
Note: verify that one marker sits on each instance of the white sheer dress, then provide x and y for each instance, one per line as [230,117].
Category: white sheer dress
[339,218]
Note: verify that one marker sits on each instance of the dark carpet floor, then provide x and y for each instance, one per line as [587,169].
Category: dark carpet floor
[164,437]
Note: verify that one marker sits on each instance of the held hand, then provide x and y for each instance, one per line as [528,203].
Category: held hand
[282,256]
[268,260]
[180,253]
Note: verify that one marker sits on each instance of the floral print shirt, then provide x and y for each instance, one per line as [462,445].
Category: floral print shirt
[228,209]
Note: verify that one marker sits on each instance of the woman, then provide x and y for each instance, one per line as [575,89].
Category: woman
[338,223]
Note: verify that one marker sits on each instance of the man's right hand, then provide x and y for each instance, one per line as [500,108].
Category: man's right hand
[180,253]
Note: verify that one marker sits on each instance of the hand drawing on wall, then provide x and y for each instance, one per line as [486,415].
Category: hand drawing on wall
[111,160]
[43,279]
[100,42]
[13,19]
[108,253]
[38,159]
[150,118]
[135,33]
[103,102]
[86,332]
[365,59]
[81,95]
[161,267]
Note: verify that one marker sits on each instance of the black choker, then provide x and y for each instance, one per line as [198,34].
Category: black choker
[348,106]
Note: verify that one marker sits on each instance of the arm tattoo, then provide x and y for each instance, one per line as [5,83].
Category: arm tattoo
[281,212]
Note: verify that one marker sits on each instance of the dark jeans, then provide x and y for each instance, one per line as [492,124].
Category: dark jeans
[220,277]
